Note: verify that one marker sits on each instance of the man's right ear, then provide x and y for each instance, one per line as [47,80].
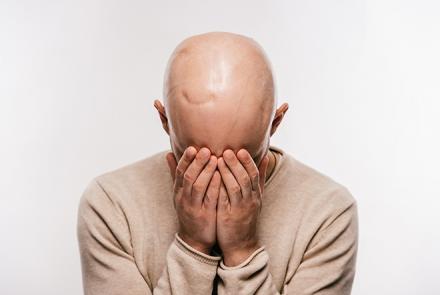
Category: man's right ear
[162,114]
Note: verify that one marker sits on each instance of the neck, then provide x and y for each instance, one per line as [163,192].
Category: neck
[271,165]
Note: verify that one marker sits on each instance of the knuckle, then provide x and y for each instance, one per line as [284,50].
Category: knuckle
[245,180]
[188,177]
[201,164]
[184,165]
[236,162]
[247,160]
[211,195]
[235,189]
[253,175]
[197,189]
[233,160]
[208,199]
[179,171]
[254,203]
[199,156]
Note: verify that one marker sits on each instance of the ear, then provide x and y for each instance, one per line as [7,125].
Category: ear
[279,114]
[162,114]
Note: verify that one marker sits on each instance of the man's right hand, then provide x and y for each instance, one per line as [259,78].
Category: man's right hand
[196,190]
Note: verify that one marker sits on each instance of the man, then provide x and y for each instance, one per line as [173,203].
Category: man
[225,212]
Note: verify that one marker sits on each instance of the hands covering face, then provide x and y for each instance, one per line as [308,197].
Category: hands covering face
[218,200]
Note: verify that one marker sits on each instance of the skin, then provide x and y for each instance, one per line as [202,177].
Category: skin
[219,112]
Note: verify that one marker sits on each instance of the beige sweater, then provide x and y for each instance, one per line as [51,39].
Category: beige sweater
[128,243]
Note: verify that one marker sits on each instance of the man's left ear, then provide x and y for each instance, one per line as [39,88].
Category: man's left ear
[279,114]
[162,114]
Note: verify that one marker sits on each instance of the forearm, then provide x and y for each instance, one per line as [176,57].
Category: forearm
[187,271]
[252,276]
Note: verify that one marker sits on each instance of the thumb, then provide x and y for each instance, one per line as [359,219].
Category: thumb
[172,164]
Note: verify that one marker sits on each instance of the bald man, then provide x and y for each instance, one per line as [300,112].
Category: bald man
[223,212]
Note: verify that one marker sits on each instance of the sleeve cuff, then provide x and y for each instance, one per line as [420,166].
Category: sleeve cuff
[244,263]
[200,256]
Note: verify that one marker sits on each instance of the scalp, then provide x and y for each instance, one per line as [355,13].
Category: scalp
[215,63]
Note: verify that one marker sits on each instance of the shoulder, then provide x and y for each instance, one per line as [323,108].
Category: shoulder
[313,183]
[124,185]
[319,186]
[315,195]
[136,173]
[319,205]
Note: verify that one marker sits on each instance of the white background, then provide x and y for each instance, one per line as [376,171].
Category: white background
[77,84]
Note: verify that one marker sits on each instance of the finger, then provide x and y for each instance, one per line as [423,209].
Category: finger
[250,166]
[213,191]
[223,198]
[239,172]
[194,169]
[186,159]
[201,184]
[172,164]
[262,168]
[232,187]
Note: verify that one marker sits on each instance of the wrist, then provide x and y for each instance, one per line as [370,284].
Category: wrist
[205,249]
[237,256]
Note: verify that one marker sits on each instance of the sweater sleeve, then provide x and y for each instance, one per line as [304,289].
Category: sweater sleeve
[107,258]
[327,267]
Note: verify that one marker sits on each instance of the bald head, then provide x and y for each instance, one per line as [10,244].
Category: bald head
[219,92]
[217,62]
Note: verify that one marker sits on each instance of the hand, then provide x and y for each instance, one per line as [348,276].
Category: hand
[196,190]
[239,204]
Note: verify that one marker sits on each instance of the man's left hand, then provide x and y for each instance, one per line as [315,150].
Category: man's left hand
[239,204]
